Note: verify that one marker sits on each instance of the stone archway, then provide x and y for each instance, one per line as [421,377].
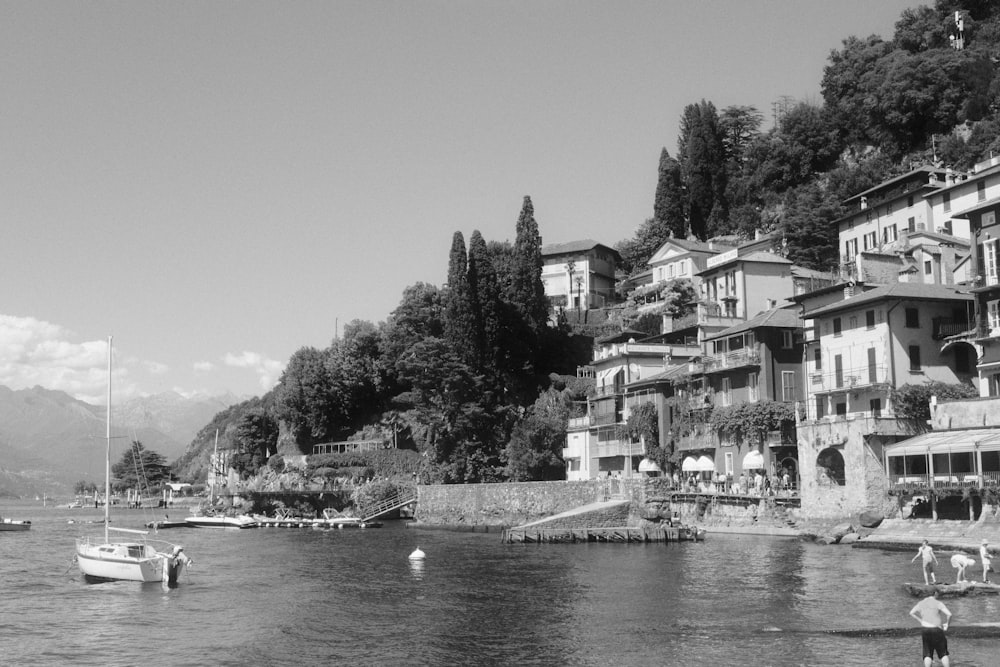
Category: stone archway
[830,468]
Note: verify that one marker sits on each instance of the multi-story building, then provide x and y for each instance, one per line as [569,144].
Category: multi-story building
[593,445]
[579,275]
[880,218]
[857,350]
[676,259]
[757,360]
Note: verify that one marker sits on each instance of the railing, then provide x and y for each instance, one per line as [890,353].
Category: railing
[849,378]
[351,446]
[736,359]
[945,326]
[910,482]
[395,502]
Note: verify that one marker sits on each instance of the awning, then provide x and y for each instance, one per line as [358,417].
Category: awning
[943,442]
[648,465]
[690,464]
[753,460]
[705,464]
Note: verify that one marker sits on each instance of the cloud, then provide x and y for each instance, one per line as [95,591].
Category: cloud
[34,352]
[268,370]
[155,367]
[203,366]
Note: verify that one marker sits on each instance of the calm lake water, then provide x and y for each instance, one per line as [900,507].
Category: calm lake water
[303,597]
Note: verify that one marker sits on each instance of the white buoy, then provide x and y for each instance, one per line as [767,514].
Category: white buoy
[417,554]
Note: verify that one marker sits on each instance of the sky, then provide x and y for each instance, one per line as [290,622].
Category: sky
[219,184]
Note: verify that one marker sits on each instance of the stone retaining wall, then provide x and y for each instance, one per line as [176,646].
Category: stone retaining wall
[513,503]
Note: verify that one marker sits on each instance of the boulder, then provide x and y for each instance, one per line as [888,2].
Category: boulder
[840,530]
[826,539]
[850,538]
[870,519]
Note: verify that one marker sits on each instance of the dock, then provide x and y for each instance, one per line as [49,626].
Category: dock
[623,534]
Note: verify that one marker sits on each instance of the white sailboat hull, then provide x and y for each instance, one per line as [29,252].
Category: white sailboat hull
[126,561]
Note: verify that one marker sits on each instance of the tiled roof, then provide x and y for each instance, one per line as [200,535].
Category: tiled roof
[784,318]
[622,337]
[582,245]
[899,291]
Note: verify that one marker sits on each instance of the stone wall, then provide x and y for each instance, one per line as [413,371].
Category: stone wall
[967,413]
[512,504]
[865,486]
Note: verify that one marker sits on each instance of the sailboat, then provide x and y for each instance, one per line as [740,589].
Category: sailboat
[134,559]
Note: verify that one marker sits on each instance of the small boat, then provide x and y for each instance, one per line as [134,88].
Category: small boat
[166,523]
[103,559]
[959,589]
[221,521]
[11,524]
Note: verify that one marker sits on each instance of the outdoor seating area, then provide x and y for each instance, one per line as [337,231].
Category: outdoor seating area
[966,458]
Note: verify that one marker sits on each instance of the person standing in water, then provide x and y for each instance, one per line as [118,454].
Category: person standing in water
[933,617]
[929,561]
[984,556]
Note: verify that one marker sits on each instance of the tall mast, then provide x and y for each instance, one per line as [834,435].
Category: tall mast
[107,461]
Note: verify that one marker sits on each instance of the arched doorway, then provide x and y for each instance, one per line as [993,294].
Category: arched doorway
[830,468]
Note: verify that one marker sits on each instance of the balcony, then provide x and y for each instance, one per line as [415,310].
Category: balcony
[712,315]
[849,379]
[616,448]
[943,327]
[736,359]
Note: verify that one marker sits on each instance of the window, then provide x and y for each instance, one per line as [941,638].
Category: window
[889,234]
[990,262]
[914,351]
[841,409]
[726,386]
[909,201]
[870,240]
[820,407]
[753,394]
[786,340]
[981,190]
[928,267]
[993,317]
[912,318]
[670,271]
[988,218]
[788,385]
[818,359]
[729,464]
[946,200]
[836,326]
[853,322]
[888,208]
[682,267]
[869,319]
[850,249]
[911,225]
[875,405]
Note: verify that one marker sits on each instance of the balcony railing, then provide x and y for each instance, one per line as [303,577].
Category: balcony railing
[910,482]
[735,359]
[944,327]
[848,378]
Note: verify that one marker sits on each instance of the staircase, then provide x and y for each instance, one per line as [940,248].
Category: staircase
[387,505]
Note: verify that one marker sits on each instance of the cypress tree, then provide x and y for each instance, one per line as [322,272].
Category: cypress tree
[668,205]
[703,160]
[527,293]
[459,326]
[486,290]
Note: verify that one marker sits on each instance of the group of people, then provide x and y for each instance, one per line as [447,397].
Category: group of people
[758,483]
[930,612]
[959,561]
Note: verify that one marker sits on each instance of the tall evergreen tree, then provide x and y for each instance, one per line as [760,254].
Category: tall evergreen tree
[702,155]
[668,205]
[527,293]
[459,311]
[483,283]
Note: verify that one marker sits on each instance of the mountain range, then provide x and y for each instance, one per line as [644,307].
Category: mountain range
[50,440]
